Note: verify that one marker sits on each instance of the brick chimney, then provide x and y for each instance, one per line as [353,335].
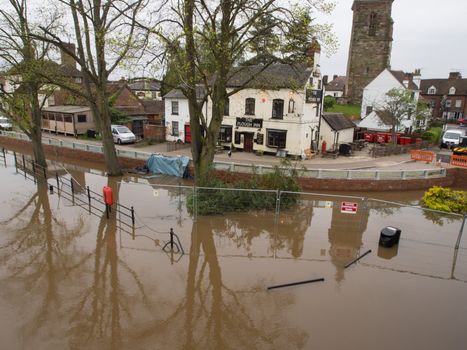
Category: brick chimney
[325,79]
[455,75]
[335,76]
[67,60]
[313,53]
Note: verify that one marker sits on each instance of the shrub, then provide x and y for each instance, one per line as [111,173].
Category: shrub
[222,197]
[329,102]
[445,199]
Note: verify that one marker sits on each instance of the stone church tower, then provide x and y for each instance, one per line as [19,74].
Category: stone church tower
[370,45]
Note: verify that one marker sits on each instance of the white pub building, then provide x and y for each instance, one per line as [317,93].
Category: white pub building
[279,110]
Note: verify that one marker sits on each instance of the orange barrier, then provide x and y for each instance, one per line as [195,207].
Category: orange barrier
[460,161]
[426,156]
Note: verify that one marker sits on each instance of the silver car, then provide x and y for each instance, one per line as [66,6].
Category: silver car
[121,134]
[5,123]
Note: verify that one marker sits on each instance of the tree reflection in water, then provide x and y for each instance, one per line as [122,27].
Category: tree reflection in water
[96,319]
[213,315]
[38,258]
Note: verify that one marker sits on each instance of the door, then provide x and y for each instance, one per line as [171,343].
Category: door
[187,133]
[248,142]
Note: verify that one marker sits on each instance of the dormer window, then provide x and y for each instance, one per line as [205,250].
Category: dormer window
[432,90]
[452,90]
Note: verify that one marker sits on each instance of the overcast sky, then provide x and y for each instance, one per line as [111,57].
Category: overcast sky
[428,34]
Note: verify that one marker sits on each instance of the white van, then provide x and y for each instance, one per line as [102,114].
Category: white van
[452,137]
[121,134]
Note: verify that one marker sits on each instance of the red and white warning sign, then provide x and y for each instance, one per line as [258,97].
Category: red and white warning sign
[349,207]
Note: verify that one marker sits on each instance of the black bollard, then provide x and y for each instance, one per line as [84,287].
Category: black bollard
[51,189]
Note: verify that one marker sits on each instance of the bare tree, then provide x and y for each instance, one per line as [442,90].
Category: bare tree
[213,38]
[24,92]
[106,37]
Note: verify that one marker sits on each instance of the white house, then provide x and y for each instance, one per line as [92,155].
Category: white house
[336,87]
[374,96]
[278,110]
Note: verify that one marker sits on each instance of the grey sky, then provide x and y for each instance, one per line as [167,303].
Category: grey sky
[428,34]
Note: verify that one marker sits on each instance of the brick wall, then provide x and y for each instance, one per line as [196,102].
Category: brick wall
[156,132]
[455,176]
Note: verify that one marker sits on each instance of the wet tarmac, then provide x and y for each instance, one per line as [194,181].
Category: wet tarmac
[71,278]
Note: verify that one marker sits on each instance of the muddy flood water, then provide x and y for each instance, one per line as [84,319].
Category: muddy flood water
[71,278]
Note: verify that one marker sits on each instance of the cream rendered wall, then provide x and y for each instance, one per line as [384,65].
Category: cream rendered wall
[299,124]
[329,135]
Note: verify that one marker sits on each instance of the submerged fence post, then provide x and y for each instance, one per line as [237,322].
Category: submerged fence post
[458,243]
[58,180]
[16,162]
[133,216]
[24,166]
[278,204]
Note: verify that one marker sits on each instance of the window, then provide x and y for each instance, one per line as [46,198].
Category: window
[369,109]
[276,138]
[81,118]
[277,108]
[448,103]
[237,139]
[174,107]
[225,133]
[227,106]
[58,117]
[458,103]
[433,103]
[68,119]
[175,127]
[432,90]
[452,90]
[250,106]
[291,106]
[372,26]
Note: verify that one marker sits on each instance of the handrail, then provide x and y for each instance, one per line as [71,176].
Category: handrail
[344,174]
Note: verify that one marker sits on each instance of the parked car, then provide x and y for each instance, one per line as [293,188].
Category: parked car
[5,123]
[452,137]
[121,134]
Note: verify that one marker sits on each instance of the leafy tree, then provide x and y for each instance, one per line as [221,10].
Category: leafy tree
[266,43]
[106,35]
[399,106]
[24,59]
[215,36]
[329,102]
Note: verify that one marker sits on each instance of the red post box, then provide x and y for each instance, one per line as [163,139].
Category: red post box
[108,197]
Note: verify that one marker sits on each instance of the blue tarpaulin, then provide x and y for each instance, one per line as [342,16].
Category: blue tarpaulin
[174,166]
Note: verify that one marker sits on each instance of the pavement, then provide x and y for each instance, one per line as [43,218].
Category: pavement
[359,159]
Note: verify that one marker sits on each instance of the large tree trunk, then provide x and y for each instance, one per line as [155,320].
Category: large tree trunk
[35,131]
[101,113]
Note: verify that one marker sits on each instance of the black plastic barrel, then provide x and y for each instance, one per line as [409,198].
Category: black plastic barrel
[345,149]
[91,133]
[389,236]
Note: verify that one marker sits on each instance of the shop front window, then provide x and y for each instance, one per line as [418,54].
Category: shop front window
[225,133]
[276,138]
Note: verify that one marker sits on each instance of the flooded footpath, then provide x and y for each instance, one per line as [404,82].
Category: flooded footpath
[75,277]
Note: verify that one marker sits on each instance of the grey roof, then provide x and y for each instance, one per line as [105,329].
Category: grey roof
[338,121]
[145,85]
[178,94]
[273,77]
[401,76]
[337,84]
[67,109]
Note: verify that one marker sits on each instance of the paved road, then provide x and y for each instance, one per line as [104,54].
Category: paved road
[360,160]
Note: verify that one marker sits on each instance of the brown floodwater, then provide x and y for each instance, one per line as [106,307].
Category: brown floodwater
[71,278]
